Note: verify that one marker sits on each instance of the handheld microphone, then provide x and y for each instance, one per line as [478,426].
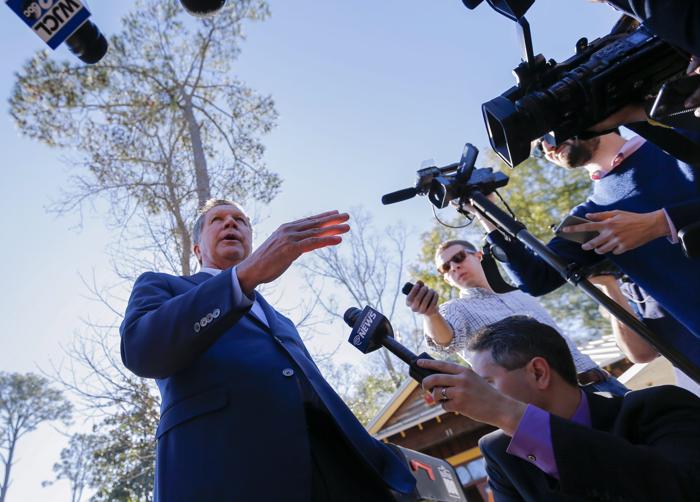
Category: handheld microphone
[399,195]
[371,330]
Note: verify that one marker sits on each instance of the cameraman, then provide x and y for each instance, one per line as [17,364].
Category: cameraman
[629,177]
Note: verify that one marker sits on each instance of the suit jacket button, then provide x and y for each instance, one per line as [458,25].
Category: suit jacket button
[203,321]
[532,458]
[197,327]
[216,313]
[210,317]
[287,372]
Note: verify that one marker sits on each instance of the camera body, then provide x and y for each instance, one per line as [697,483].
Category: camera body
[570,97]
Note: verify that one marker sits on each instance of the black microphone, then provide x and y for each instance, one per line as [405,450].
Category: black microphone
[203,8]
[88,43]
[371,330]
[399,195]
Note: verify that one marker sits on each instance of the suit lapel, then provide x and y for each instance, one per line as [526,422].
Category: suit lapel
[270,313]
[604,410]
[197,278]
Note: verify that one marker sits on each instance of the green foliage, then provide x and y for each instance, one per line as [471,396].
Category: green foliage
[117,459]
[26,401]
[74,464]
[123,458]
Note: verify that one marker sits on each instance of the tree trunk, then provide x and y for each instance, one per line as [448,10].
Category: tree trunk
[8,466]
[200,160]
[182,232]
[186,243]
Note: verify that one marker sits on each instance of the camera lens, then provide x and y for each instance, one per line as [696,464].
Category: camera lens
[202,8]
[88,43]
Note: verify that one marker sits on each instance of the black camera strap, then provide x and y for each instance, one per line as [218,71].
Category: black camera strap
[493,274]
[670,141]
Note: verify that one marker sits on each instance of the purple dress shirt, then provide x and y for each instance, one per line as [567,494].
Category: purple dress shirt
[532,440]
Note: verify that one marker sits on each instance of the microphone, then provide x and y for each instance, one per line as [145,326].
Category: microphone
[58,21]
[371,330]
[399,195]
[203,8]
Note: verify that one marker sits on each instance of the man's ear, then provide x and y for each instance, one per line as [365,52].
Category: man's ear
[541,372]
[197,252]
[479,255]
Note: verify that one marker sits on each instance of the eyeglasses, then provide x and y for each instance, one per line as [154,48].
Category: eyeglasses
[457,258]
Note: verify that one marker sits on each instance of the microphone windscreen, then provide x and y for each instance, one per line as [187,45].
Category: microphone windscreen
[350,316]
[398,196]
[407,288]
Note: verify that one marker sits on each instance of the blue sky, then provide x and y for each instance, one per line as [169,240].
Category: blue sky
[365,90]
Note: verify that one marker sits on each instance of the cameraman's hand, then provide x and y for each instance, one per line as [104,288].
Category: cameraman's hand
[621,231]
[694,99]
[470,395]
[274,256]
[423,300]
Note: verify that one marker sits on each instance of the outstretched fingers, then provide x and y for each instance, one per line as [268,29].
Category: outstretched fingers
[320,220]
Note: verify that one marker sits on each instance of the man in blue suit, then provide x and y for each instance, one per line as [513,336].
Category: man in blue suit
[246,415]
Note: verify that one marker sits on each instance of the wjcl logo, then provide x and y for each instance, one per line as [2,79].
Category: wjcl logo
[52,20]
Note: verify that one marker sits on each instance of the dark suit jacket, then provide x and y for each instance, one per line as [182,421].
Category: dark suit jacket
[232,422]
[643,447]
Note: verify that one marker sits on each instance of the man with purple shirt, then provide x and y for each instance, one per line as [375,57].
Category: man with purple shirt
[558,442]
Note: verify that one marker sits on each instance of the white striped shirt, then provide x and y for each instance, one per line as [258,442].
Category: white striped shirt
[478,307]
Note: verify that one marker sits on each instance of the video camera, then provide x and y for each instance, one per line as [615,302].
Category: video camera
[569,98]
[451,182]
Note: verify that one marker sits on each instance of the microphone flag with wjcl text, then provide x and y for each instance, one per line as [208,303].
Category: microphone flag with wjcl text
[52,20]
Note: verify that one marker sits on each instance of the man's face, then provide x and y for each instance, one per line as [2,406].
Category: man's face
[517,383]
[463,274]
[226,238]
[572,152]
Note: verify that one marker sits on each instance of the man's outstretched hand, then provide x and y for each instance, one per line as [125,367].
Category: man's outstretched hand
[274,256]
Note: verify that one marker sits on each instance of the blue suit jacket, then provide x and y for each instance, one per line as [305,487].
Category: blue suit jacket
[232,418]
